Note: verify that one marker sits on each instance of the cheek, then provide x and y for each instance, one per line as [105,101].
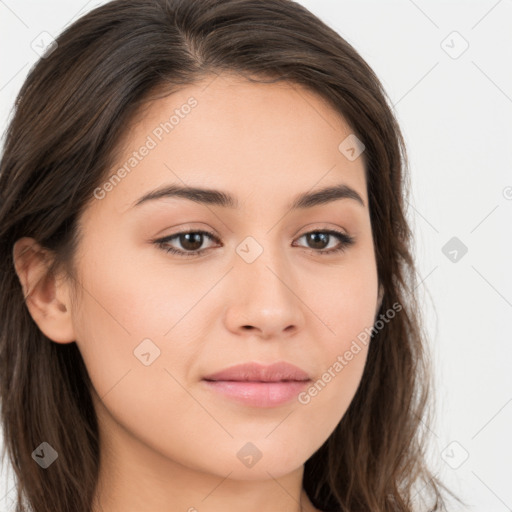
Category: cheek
[344,300]
[327,399]
[120,327]
[343,356]
[134,326]
[346,305]
[117,310]
[126,296]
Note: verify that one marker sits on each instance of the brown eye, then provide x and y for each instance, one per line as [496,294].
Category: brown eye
[189,241]
[319,240]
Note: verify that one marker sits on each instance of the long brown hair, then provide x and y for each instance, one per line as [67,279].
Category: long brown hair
[70,116]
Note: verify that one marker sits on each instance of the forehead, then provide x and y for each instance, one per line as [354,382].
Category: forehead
[267,141]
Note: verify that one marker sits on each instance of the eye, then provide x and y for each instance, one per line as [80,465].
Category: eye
[321,239]
[191,242]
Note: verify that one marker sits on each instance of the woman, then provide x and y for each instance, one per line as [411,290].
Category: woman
[207,297]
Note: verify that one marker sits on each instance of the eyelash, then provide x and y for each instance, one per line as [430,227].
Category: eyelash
[345,242]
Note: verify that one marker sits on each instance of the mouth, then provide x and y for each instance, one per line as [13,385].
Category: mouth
[257,385]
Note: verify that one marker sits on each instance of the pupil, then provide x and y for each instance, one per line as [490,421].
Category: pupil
[189,239]
[316,237]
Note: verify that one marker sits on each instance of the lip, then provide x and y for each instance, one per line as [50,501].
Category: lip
[259,385]
[255,372]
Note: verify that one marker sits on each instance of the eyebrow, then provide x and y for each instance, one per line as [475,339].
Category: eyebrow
[220,198]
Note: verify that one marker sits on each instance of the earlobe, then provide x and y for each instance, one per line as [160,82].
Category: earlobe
[46,299]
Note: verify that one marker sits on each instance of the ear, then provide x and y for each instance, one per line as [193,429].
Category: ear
[46,298]
[379,299]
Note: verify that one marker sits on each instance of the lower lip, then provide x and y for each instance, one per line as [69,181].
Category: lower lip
[258,394]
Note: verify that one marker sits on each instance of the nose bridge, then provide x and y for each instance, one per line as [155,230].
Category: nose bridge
[262,262]
[263,295]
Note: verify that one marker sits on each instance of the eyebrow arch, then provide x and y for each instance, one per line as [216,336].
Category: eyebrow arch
[220,198]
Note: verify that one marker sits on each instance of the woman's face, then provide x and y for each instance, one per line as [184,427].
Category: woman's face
[152,324]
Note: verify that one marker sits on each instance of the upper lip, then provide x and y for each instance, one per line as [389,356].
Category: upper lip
[255,372]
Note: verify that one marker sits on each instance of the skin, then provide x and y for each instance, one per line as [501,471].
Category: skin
[168,442]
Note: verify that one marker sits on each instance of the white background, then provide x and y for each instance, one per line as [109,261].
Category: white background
[456,117]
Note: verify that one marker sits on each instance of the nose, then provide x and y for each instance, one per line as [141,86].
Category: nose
[266,297]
